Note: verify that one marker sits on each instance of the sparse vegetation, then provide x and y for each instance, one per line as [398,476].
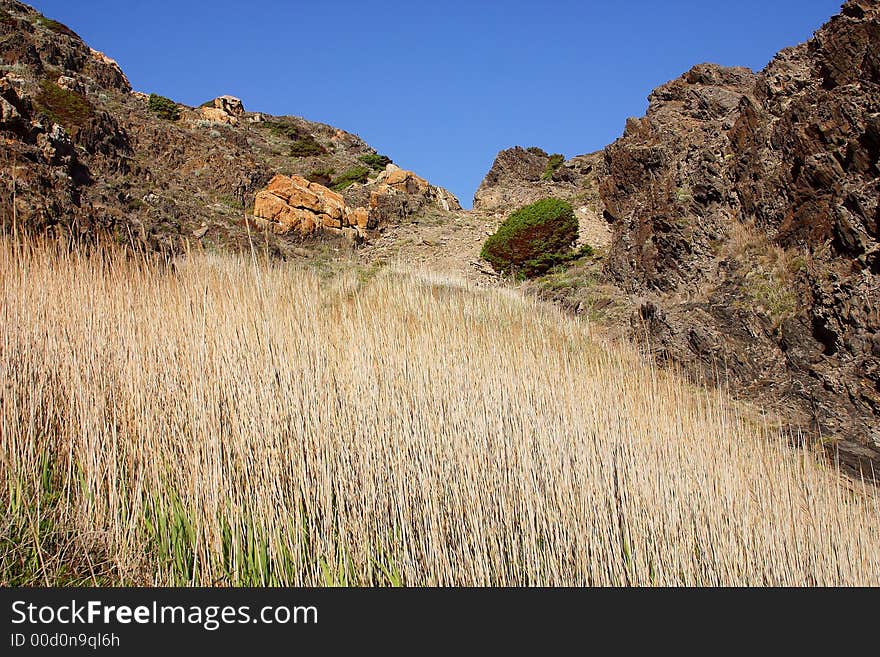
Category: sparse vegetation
[235,422]
[321,176]
[533,239]
[306,146]
[684,195]
[375,161]
[553,164]
[769,271]
[55,26]
[350,176]
[67,108]
[163,107]
[282,129]
[535,150]
[231,201]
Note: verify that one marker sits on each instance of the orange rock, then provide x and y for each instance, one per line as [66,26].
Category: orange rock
[217,115]
[406,181]
[330,222]
[359,217]
[294,203]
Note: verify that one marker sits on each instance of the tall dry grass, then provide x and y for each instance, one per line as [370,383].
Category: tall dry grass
[226,421]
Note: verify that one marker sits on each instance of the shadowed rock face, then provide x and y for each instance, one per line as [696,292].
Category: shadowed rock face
[793,154]
[744,211]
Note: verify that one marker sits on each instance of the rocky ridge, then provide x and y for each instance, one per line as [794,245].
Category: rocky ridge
[84,153]
[744,216]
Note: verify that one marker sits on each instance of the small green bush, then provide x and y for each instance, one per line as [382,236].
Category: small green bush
[321,176]
[55,26]
[555,162]
[306,146]
[533,239]
[349,177]
[282,130]
[536,150]
[375,161]
[68,108]
[164,108]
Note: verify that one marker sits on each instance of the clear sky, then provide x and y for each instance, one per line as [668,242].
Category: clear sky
[440,87]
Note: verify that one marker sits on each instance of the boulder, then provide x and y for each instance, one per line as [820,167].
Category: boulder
[406,181]
[217,116]
[294,204]
[229,104]
[223,109]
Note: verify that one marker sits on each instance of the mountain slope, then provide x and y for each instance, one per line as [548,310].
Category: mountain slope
[87,153]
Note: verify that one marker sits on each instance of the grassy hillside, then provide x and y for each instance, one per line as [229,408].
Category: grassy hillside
[224,420]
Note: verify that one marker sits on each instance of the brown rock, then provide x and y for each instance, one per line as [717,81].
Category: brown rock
[793,152]
[71,84]
[359,217]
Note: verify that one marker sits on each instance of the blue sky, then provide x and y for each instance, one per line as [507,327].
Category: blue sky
[438,86]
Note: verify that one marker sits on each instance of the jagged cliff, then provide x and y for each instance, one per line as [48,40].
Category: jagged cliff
[744,216]
[82,152]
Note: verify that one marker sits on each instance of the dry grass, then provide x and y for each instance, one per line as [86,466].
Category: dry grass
[230,422]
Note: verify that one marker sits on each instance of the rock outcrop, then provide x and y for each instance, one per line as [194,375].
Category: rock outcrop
[520,176]
[223,109]
[397,194]
[761,191]
[293,204]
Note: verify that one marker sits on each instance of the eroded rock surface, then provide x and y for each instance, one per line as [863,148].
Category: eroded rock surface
[744,216]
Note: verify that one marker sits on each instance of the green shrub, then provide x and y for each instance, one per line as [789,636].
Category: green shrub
[321,176]
[55,26]
[375,161]
[350,176]
[306,146]
[68,108]
[231,201]
[164,108]
[281,129]
[533,239]
[535,150]
[555,162]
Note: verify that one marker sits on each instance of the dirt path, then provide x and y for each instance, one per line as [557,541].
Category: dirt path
[448,245]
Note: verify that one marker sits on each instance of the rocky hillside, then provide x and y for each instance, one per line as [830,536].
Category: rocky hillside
[746,227]
[83,152]
[737,223]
